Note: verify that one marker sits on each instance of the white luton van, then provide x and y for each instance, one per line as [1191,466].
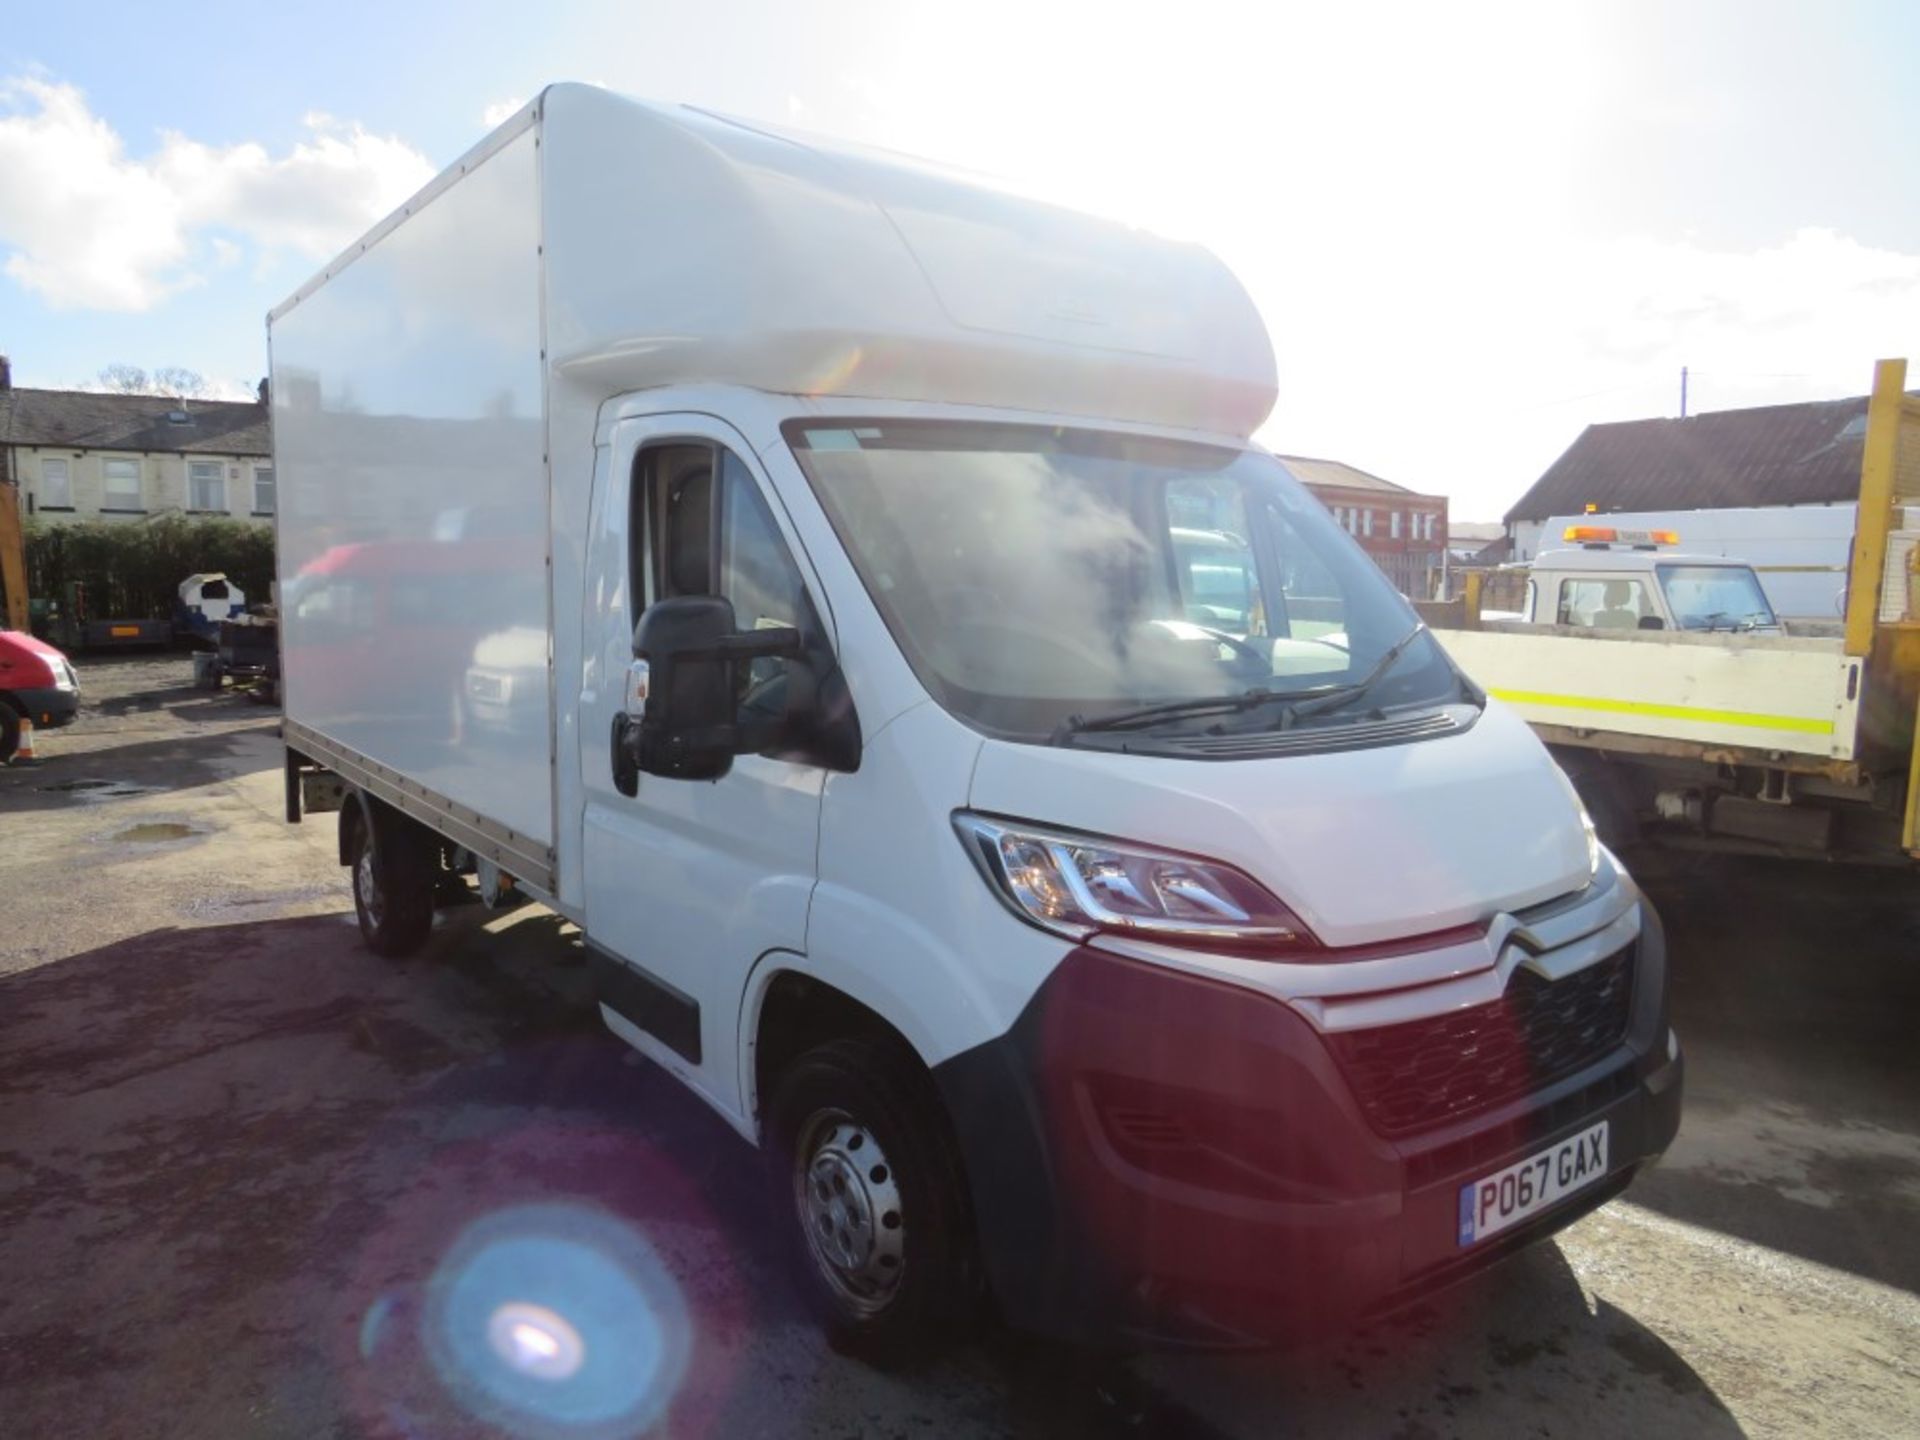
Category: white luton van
[981,774]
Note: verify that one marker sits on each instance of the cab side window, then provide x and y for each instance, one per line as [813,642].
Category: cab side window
[1610,603]
[702,527]
[756,572]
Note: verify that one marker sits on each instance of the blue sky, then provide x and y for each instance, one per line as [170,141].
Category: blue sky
[1472,228]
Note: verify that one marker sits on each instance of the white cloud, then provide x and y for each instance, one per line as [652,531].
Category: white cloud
[1466,367]
[500,110]
[90,227]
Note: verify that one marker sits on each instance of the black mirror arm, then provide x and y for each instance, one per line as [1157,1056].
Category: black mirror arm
[784,643]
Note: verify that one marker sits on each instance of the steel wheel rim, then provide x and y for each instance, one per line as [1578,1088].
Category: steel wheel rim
[367,886]
[849,1208]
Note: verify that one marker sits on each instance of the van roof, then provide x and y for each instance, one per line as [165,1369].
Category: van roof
[684,247]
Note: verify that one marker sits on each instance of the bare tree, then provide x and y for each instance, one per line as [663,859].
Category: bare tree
[124,379]
[180,381]
[173,380]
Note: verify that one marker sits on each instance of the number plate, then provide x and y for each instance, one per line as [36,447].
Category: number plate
[1509,1196]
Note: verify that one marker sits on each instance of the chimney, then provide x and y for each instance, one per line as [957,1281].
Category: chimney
[6,373]
[262,391]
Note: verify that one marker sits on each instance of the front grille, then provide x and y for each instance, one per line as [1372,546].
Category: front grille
[1429,1072]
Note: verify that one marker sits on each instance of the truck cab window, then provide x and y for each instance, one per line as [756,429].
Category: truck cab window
[1610,603]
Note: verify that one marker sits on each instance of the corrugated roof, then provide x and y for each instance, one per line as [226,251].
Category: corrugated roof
[1770,455]
[89,420]
[1310,471]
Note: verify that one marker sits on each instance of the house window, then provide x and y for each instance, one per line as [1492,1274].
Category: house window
[206,485]
[122,484]
[1366,523]
[56,485]
[1393,524]
[263,496]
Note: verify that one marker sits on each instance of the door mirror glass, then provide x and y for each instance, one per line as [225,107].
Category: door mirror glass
[690,725]
[1652,622]
[686,728]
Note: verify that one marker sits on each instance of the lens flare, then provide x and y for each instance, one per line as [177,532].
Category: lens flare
[536,1341]
[558,1320]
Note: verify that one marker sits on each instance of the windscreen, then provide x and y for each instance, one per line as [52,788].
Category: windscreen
[1035,573]
[1715,597]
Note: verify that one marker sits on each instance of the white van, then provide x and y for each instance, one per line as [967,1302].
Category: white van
[981,774]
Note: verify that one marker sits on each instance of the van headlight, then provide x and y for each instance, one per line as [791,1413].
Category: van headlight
[1079,885]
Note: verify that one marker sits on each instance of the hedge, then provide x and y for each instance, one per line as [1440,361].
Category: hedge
[134,570]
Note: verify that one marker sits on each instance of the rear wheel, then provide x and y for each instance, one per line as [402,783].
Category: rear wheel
[393,878]
[9,732]
[865,1170]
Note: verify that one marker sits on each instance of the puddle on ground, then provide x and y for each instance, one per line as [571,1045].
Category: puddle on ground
[102,789]
[213,906]
[154,832]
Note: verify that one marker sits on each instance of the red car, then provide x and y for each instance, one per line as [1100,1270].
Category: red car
[36,683]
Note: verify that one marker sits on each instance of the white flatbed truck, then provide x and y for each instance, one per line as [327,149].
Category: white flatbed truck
[1684,710]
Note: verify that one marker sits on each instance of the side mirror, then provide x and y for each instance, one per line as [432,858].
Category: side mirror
[1652,622]
[688,696]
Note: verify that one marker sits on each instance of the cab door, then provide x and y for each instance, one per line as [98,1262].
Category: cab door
[687,883]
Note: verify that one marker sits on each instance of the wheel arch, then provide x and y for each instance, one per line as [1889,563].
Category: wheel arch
[789,1006]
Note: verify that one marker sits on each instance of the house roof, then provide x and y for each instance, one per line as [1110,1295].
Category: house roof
[1769,455]
[86,420]
[1310,471]
[1481,530]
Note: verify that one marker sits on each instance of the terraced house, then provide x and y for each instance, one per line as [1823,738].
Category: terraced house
[80,455]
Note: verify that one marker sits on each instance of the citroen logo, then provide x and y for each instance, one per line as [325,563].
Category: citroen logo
[1512,946]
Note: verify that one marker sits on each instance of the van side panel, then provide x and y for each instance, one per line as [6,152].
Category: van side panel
[408,418]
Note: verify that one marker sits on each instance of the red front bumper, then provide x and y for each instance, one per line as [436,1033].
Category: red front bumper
[1161,1157]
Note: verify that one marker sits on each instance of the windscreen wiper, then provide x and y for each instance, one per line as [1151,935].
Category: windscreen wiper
[1299,703]
[1177,710]
[1346,694]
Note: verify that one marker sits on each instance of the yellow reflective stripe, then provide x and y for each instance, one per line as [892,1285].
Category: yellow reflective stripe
[1667,712]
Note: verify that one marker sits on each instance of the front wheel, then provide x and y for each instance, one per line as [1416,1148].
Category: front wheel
[866,1172]
[392,882]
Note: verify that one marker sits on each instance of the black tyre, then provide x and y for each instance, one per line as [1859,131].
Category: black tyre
[866,1175]
[393,869]
[9,732]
